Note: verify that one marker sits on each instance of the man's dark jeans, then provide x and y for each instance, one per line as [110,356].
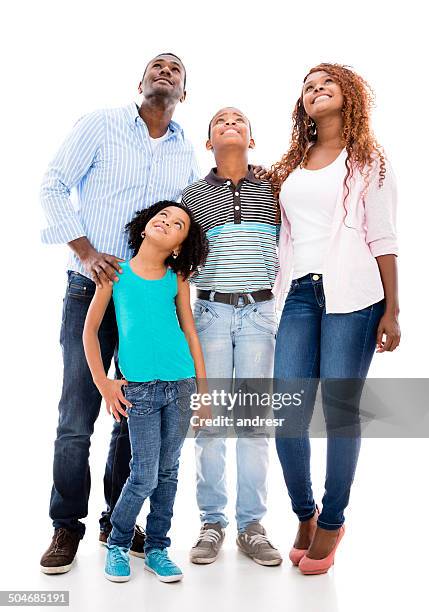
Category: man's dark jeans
[78,410]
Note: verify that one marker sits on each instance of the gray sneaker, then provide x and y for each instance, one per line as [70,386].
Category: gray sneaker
[208,545]
[253,542]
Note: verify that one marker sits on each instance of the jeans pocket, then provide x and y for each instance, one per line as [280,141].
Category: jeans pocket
[80,287]
[141,397]
[263,317]
[73,318]
[185,389]
[136,389]
[140,407]
[204,315]
[293,287]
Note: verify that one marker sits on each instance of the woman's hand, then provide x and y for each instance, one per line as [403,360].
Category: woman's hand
[260,172]
[111,390]
[389,328]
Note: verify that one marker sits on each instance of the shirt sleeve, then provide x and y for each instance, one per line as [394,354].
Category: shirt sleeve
[72,162]
[195,173]
[380,213]
[278,226]
[184,199]
[187,202]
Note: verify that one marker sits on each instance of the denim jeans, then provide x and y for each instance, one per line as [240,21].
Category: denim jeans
[236,340]
[338,349]
[158,421]
[78,410]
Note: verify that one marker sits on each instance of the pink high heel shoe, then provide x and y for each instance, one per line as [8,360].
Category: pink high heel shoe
[296,554]
[321,566]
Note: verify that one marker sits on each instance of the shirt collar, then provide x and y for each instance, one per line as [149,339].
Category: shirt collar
[213,179]
[132,112]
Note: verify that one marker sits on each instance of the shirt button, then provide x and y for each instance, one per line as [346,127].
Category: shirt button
[237,207]
[315,277]
[228,183]
[236,193]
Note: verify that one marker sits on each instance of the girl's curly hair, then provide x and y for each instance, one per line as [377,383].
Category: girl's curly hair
[194,248]
[363,150]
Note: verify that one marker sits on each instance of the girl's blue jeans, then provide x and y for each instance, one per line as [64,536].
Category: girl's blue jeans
[158,421]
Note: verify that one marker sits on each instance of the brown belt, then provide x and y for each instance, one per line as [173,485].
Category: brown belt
[232,298]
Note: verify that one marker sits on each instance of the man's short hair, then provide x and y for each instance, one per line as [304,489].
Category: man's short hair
[173,55]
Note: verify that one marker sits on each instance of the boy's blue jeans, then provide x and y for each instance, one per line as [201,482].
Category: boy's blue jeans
[78,410]
[338,349]
[236,341]
[158,421]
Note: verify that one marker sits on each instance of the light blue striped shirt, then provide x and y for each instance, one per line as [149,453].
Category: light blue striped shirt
[109,159]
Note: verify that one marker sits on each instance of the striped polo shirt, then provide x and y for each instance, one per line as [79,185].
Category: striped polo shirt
[240,224]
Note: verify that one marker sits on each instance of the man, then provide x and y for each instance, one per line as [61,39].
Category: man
[236,323]
[119,160]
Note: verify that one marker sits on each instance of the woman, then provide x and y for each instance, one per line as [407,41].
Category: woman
[337,255]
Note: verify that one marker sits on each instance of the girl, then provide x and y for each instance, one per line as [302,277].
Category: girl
[159,356]
[337,255]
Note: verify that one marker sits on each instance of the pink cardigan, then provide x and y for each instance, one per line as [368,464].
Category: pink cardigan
[351,278]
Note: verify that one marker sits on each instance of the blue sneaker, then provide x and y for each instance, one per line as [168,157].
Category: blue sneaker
[158,562]
[117,568]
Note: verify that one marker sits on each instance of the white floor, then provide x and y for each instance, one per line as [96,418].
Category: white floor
[380,564]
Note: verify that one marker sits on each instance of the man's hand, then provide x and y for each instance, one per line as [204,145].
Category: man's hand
[111,390]
[102,267]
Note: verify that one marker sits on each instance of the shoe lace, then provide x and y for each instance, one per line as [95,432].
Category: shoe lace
[208,535]
[161,557]
[60,540]
[139,530]
[258,538]
[119,554]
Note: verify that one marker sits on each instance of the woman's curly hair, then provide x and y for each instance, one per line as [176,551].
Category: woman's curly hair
[194,249]
[363,150]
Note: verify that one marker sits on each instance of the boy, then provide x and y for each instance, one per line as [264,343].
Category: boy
[236,323]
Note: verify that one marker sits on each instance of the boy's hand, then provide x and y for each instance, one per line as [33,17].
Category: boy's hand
[202,413]
[111,390]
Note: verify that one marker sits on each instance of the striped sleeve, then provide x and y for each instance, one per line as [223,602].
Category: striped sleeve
[183,199]
[71,163]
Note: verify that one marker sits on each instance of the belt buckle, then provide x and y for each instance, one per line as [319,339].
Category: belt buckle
[245,297]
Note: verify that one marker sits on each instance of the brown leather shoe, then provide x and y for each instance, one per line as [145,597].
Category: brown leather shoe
[60,555]
[137,545]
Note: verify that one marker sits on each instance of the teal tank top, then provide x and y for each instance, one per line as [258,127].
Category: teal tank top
[152,345]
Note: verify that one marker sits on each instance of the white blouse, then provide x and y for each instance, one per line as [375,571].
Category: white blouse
[309,198]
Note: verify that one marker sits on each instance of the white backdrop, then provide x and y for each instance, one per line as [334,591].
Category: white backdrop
[62,60]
